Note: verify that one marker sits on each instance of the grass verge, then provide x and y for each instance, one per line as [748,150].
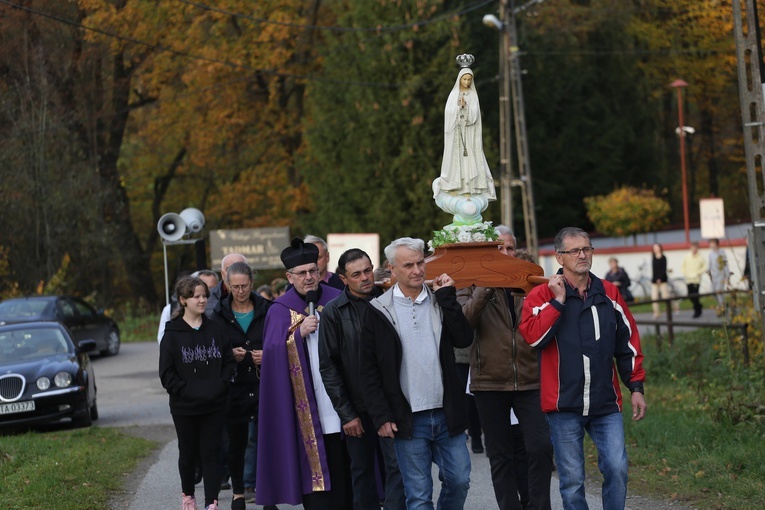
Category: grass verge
[701,440]
[67,470]
[138,327]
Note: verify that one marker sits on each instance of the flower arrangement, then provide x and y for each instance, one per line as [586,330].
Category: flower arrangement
[452,234]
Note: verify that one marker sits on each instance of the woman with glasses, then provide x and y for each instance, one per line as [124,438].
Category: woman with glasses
[243,311]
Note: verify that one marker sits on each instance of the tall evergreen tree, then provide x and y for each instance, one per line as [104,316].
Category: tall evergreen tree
[591,123]
[374,141]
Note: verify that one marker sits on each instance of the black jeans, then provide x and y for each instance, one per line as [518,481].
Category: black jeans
[364,452]
[494,409]
[200,435]
[238,435]
[693,288]
[341,495]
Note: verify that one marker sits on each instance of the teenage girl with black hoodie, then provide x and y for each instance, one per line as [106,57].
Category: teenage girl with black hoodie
[196,365]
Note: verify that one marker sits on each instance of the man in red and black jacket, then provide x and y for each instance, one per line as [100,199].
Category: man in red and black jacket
[587,340]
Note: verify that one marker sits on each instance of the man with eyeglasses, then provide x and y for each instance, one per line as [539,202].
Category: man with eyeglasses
[504,376]
[339,345]
[301,455]
[587,340]
[220,291]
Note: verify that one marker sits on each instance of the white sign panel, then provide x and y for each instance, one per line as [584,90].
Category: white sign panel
[712,214]
[338,243]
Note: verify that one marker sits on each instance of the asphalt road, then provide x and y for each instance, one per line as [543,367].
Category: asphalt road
[130,395]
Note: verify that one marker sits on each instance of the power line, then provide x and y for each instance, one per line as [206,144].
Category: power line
[391,28]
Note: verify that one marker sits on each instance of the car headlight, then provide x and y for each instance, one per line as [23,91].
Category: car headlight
[63,379]
[43,383]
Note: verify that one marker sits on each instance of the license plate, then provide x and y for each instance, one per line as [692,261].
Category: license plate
[17,407]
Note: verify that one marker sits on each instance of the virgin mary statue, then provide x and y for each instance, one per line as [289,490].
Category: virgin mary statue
[464,169]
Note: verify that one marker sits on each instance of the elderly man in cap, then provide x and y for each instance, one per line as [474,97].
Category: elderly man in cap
[301,455]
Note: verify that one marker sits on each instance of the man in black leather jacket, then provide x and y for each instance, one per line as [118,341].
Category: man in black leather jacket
[339,338]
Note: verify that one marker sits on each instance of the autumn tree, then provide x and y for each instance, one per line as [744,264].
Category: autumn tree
[627,211]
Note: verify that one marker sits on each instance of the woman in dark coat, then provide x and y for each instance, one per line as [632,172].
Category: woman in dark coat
[243,313]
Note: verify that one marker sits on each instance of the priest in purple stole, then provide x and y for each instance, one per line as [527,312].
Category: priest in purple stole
[301,451]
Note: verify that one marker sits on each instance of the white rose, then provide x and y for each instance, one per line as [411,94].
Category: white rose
[479,237]
[464,236]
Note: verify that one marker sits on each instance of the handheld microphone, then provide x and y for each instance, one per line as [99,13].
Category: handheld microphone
[312,297]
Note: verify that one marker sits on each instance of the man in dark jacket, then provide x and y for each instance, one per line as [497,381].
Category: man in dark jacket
[339,341]
[504,376]
[409,377]
[587,340]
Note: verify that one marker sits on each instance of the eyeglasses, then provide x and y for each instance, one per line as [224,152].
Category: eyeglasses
[237,288]
[574,252]
[303,274]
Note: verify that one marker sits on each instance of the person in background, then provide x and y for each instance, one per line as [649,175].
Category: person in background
[243,312]
[265,292]
[304,458]
[328,277]
[339,345]
[718,272]
[382,273]
[279,287]
[504,378]
[618,276]
[694,266]
[196,365]
[220,291]
[659,279]
[410,382]
[586,338]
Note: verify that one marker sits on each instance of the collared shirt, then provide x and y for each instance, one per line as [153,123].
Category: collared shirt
[582,295]
[420,375]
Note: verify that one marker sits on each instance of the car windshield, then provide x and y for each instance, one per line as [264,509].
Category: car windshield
[32,343]
[19,308]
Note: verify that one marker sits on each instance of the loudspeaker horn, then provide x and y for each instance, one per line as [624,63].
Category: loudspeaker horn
[194,219]
[171,227]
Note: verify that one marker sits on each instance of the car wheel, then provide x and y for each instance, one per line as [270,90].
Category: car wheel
[82,420]
[112,344]
[94,412]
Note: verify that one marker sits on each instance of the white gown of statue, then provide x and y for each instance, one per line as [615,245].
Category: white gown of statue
[464,169]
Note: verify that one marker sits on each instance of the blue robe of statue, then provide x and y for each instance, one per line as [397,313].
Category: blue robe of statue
[291,457]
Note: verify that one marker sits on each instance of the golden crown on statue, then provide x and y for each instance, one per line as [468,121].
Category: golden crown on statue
[465,60]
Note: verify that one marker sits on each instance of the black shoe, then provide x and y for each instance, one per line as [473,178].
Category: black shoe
[478,448]
[224,485]
[238,504]
[696,315]
[270,507]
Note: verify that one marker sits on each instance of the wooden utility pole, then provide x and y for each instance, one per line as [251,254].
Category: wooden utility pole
[750,84]
[521,140]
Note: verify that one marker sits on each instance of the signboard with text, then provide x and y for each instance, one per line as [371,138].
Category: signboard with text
[261,246]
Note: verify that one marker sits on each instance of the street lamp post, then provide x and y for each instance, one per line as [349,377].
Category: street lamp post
[505,145]
[681,131]
[512,89]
